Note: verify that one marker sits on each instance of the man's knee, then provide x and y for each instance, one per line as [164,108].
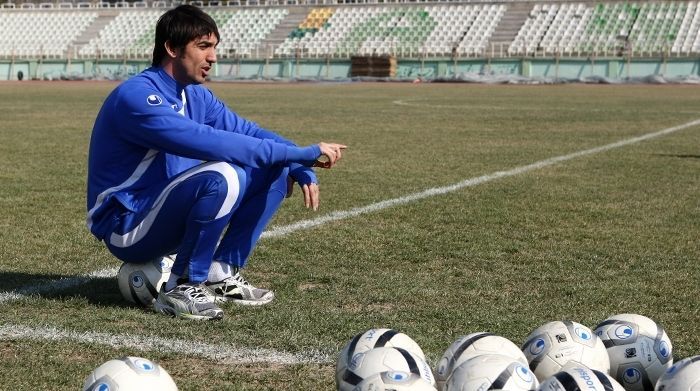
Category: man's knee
[231,181]
[279,180]
[270,179]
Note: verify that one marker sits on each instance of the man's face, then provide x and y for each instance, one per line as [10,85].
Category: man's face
[194,62]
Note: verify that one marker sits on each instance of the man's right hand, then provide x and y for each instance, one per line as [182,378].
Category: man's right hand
[330,154]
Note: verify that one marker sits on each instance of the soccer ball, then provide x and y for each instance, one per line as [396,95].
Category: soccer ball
[468,346]
[639,350]
[370,339]
[129,374]
[681,376]
[377,360]
[139,282]
[554,344]
[577,377]
[491,372]
[394,381]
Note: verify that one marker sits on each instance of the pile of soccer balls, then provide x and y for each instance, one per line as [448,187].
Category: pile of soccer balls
[624,352]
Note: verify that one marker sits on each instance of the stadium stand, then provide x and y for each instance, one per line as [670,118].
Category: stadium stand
[242,31]
[405,29]
[51,32]
[129,34]
[688,35]
[394,30]
[607,28]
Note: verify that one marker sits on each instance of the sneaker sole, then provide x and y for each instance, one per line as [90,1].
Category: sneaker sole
[262,301]
[170,311]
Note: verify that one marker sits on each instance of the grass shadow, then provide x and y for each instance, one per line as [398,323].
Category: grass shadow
[679,156]
[102,291]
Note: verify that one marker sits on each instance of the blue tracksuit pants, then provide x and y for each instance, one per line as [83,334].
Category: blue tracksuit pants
[214,211]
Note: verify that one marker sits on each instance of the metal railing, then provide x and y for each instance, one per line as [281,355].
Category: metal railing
[493,50]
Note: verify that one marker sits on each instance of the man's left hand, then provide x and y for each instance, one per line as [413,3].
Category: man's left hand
[311,193]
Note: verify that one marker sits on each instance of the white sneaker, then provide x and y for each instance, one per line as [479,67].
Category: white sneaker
[190,301]
[238,290]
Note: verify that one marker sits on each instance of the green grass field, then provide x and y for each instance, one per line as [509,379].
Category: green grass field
[593,236]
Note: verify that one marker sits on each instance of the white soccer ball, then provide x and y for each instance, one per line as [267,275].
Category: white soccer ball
[551,346]
[684,375]
[129,374]
[639,350]
[491,372]
[577,377]
[139,282]
[370,339]
[394,381]
[472,345]
[377,360]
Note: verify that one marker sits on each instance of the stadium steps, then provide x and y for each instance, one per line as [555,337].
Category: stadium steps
[94,29]
[295,17]
[510,24]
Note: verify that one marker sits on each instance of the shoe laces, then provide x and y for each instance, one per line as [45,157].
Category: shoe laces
[240,280]
[197,294]
[237,279]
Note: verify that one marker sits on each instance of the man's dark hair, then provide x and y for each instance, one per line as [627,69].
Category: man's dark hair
[180,26]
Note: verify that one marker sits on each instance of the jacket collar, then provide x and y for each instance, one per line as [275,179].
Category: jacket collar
[168,81]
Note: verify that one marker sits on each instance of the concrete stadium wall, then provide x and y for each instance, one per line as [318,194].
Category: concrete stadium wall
[333,69]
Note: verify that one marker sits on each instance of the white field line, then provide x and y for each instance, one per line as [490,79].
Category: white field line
[152,343]
[47,286]
[334,216]
[143,343]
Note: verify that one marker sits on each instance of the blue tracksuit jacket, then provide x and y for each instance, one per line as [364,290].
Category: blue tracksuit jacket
[150,129]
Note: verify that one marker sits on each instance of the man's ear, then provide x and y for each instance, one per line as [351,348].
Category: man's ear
[172,52]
